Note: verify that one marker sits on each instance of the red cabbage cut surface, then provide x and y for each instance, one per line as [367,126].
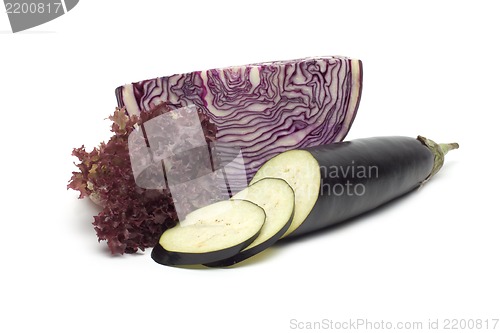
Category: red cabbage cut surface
[262,109]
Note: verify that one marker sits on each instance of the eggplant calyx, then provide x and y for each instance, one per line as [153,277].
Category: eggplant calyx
[439,151]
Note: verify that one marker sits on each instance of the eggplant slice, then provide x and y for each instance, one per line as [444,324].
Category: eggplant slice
[211,233]
[301,170]
[277,199]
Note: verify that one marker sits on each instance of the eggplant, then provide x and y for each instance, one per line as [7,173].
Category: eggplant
[338,181]
[277,199]
[211,233]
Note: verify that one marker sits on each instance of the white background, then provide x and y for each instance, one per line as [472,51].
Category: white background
[430,68]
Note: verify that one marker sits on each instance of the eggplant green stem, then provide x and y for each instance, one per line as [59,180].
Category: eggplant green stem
[439,151]
[446,147]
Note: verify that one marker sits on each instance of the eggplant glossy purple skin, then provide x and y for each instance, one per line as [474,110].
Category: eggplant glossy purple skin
[360,175]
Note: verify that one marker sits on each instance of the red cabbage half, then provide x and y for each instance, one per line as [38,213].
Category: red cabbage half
[265,108]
